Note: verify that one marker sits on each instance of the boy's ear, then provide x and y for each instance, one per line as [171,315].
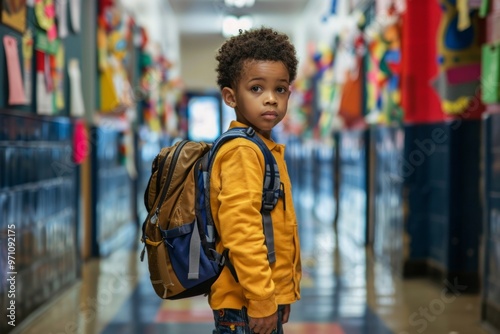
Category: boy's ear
[229,97]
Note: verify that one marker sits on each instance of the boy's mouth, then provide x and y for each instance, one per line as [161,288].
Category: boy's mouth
[270,115]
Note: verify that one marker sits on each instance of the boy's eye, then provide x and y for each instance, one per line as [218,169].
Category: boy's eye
[255,89]
[281,90]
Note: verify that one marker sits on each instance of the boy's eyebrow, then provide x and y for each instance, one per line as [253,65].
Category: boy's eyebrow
[260,78]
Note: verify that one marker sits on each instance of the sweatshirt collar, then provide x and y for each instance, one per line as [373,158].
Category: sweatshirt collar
[269,143]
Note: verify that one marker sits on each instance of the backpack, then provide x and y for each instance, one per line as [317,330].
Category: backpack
[179,233]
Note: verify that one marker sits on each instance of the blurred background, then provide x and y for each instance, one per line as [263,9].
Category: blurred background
[392,148]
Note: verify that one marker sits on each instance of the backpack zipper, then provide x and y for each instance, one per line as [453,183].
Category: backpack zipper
[177,151]
[160,171]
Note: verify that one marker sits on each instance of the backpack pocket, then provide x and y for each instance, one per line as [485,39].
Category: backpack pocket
[192,267]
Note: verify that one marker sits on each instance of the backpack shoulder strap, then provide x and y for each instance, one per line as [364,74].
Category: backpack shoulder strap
[272,185]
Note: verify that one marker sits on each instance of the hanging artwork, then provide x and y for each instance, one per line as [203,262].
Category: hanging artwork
[57,68]
[16,89]
[14,14]
[384,68]
[75,12]
[80,142]
[490,74]
[113,36]
[43,85]
[62,17]
[459,58]
[45,13]
[27,60]
[77,108]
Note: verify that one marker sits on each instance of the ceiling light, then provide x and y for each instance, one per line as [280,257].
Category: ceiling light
[239,3]
[232,25]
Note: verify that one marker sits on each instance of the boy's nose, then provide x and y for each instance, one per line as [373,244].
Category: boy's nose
[271,98]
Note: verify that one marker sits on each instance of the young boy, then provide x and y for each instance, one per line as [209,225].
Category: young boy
[255,70]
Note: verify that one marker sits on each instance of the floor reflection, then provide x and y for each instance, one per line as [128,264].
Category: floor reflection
[344,290]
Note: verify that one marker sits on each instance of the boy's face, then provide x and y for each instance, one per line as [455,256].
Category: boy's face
[260,98]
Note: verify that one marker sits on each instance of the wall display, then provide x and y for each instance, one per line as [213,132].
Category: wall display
[77,107]
[350,108]
[150,102]
[14,14]
[57,71]
[49,61]
[459,56]
[74,12]
[80,142]
[16,89]
[42,51]
[45,13]
[420,102]
[44,92]
[490,76]
[109,96]
[493,28]
[113,37]
[43,43]
[62,17]
[464,19]
[157,96]
[386,6]
[351,90]
[384,66]
[27,61]
[328,89]
[488,6]
[296,121]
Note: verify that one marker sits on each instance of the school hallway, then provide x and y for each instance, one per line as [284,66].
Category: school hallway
[392,137]
[345,290]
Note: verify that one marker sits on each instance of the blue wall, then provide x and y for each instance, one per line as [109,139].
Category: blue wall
[441,168]
[491,277]
[113,224]
[38,210]
[353,185]
[387,146]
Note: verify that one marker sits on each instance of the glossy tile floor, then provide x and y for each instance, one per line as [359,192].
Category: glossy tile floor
[343,291]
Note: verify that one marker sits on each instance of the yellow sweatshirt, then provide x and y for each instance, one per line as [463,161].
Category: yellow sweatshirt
[235,198]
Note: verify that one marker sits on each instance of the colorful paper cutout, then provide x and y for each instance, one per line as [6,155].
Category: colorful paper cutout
[62,17]
[74,12]
[27,58]
[43,43]
[109,96]
[493,28]
[459,56]
[77,107]
[490,80]
[14,14]
[57,66]
[16,89]
[43,95]
[45,13]
[463,14]
[80,142]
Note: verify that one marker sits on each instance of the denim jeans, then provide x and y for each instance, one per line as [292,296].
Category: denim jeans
[232,321]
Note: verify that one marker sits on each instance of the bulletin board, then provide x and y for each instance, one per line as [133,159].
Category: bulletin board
[70,41]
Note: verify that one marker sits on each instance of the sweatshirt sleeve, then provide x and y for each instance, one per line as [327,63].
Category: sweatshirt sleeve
[241,231]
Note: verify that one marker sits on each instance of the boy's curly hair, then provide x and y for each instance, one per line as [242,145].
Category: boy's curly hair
[257,44]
